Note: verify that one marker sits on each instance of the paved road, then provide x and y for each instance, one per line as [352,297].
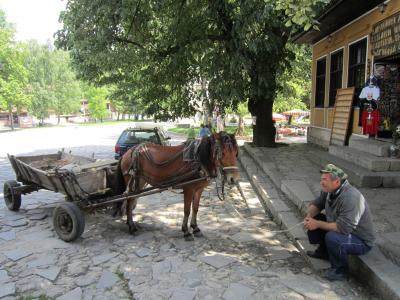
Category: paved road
[238,257]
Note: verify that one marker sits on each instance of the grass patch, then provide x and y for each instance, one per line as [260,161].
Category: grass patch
[184,131]
[112,122]
[125,286]
[248,130]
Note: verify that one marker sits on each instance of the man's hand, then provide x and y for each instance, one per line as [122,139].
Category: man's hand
[311,223]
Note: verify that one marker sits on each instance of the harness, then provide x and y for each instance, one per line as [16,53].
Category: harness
[190,169]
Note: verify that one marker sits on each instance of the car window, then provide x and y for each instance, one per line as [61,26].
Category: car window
[137,137]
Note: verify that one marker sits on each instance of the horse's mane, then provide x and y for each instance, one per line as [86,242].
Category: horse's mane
[204,150]
[207,146]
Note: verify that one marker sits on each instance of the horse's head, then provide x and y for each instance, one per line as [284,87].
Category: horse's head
[219,153]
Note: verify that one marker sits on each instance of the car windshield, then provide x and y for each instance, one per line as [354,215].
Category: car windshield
[137,137]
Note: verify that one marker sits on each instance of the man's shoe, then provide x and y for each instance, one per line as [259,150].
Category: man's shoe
[332,275]
[318,254]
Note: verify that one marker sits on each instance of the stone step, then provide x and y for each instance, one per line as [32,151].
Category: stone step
[358,176]
[365,160]
[374,147]
[373,268]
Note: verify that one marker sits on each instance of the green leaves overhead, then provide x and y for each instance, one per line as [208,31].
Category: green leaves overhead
[160,51]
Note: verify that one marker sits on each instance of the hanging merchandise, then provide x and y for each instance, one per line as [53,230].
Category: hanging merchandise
[389,105]
[369,114]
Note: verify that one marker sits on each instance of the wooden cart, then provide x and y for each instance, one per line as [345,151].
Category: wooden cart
[84,181]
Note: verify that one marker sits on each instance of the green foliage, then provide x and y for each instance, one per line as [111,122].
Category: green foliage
[40,66]
[13,75]
[97,100]
[301,12]
[295,88]
[155,52]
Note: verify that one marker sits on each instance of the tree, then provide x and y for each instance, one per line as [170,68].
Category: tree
[66,87]
[13,75]
[162,48]
[97,101]
[241,111]
[41,68]
[296,81]
[52,82]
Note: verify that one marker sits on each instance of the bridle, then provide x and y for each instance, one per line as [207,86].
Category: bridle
[218,154]
[221,169]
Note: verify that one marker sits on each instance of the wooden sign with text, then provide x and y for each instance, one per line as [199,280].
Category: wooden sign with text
[385,36]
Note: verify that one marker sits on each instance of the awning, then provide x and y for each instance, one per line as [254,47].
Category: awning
[278,117]
[336,15]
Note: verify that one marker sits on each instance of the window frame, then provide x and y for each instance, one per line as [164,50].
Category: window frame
[351,67]
[319,98]
[333,89]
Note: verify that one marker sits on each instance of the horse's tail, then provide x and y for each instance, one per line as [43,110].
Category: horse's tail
[120,185]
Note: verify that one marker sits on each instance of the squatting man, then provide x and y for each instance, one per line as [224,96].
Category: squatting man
[345,228]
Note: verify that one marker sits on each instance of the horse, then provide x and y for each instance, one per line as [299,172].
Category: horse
[162,166]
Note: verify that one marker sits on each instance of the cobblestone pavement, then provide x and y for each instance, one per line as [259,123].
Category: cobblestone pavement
[237,258]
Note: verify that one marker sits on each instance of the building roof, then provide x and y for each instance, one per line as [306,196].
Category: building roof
[336,15]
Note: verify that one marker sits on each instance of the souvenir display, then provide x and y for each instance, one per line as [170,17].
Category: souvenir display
[370,115]
[389,105]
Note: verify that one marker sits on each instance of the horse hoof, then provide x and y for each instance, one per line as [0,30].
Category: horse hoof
[132,228]
[197,233]
[188,237]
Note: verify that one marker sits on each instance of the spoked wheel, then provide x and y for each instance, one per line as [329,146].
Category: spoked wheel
[12,199]
[68,221]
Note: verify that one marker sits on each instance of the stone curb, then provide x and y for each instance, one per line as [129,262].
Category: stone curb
[372,269]
[280,211]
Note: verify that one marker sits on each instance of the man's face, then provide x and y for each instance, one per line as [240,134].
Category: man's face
[327,184]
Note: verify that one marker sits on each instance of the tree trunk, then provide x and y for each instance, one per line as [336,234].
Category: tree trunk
[240,131]
[263,131]
[11,118]
[58,119]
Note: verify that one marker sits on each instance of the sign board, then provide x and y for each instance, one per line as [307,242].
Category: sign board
[385,36]
[341,116]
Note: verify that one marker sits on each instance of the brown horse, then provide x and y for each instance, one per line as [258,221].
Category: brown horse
[162,166]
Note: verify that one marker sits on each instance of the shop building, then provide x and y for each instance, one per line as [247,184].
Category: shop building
[357,39]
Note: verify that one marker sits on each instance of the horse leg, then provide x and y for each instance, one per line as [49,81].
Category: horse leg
[187,196]
[130,206]
[195,209]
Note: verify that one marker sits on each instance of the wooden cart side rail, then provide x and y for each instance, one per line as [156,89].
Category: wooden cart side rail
[142,193]
[30,175]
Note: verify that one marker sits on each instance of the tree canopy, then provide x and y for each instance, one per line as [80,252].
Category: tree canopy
[13,75]
[159,50]
[52,82]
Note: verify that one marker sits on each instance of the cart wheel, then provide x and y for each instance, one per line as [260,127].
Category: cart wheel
[68,221]
[12,199]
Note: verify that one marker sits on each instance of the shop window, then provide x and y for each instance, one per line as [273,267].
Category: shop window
[320,83]
[336,74]
[357,61]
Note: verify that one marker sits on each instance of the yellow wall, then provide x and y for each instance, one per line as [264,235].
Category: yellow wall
[342,39]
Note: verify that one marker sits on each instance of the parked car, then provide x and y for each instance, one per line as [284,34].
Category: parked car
[132,137]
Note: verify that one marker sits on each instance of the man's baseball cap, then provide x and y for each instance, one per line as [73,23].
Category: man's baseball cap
[331,168]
